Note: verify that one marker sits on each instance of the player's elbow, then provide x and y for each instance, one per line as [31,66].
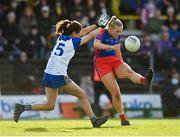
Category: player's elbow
[96,45]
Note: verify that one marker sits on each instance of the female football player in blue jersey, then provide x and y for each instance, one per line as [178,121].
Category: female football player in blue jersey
[109,65]
[70,36]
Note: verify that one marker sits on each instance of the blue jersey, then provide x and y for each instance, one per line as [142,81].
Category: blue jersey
[105,38]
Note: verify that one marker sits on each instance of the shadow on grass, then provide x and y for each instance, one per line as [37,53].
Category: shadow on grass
[76,128]
[36,130]
[80,128]
[88,128]
[103,127]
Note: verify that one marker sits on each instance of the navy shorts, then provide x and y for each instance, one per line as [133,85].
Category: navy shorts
[55,81]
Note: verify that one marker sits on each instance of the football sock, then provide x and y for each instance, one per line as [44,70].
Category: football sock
[93,118]
[142,80]
[121,113]
[28,107]
[123,117]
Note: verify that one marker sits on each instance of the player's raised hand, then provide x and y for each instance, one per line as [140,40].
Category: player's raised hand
[103,20]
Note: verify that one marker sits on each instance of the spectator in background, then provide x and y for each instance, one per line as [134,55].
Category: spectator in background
[44,26]
[177,51]
[174,32]
[59,12]
[76,11]
[171,17]
[27,20]
[168,3]
[147,12]
[92,16]
[85,21]
[154,25]
[10,29]
[36,44]
[23,74]
[44,21]
[170,96]
[146,50]
[77,4]
[136,6]
[38,7]
[77,14]
[125,7]
[103,5]
[177,55]
[165,52]
[3,9]
[159,4]
[91,6]
[15,7]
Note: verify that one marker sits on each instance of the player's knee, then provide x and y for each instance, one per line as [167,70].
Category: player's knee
[130,72]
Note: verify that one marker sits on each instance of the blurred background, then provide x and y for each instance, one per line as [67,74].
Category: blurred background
[26,40]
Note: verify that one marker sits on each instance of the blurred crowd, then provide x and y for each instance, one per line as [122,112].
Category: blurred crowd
[28,25]
[26,29]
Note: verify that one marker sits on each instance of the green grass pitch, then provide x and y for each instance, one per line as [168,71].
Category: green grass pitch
[81,127]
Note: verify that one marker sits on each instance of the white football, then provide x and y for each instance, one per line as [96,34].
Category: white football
[132,43]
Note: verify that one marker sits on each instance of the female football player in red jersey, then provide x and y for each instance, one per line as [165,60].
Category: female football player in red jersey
[109,65]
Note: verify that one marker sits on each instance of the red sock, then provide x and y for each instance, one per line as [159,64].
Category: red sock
[123,117]
[142,80]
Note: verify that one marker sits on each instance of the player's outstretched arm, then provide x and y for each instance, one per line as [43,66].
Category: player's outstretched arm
[89,36]
[86,30]
[102,22]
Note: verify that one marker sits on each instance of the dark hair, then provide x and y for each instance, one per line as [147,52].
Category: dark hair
[67,27]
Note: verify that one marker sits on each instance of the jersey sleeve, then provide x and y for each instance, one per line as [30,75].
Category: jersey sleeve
[76,42]
[100,36]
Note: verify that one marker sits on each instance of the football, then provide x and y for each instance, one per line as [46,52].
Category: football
[132,43]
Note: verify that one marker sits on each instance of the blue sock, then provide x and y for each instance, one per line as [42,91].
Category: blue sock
[28,107]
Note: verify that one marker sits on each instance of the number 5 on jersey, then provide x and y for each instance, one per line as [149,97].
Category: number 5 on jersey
[59,50]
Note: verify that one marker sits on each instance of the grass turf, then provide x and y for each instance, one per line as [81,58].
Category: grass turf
[80,127]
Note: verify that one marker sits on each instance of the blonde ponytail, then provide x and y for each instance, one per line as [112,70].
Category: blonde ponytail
[114,21]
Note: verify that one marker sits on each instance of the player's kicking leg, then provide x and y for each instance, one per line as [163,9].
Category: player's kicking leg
[125,71]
